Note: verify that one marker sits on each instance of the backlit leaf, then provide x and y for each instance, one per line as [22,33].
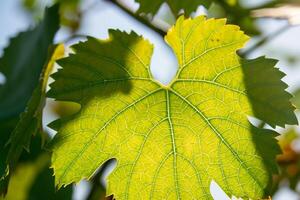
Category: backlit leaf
[170,141]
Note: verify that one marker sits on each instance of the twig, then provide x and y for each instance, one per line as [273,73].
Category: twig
[266,39]
[137,17]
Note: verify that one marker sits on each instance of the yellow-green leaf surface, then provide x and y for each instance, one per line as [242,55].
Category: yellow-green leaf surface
[171,141]
[188,6]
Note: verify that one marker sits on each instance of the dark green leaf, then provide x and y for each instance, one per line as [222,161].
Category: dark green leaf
[22,64]
[30,122]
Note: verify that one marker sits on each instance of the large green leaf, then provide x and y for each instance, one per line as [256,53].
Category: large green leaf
[188,6]
[22,63]
[170,141]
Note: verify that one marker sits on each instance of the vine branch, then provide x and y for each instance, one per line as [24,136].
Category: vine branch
[141,19]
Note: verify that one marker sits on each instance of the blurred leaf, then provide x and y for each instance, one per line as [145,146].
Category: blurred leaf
[176,6]
[22,63]
[287,138]
[292,59]
[235,14]
[32,177]
[23,178]
[165,137]
[30,122]
[232,2]
[289,160]
[29,4]
[69,10]
[296,99]
[70,13]
[33,180]
[6,126]
[44,186]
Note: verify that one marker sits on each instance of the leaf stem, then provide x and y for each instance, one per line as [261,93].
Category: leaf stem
[137,17]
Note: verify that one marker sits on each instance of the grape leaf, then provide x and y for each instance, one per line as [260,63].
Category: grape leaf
[170,141]
[22,74]
[30,122]
[188,6]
